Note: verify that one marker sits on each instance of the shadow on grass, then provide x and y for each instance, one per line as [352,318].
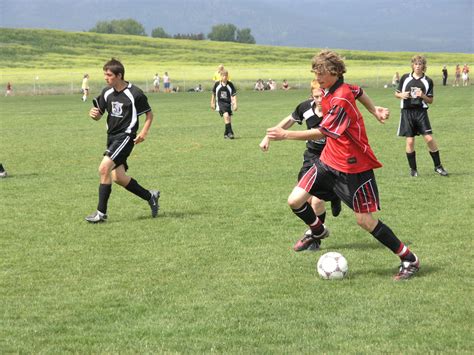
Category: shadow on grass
[175,215]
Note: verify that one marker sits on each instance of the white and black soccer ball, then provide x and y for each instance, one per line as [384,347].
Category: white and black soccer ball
[332,266]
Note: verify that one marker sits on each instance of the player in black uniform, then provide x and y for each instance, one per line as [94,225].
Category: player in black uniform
[415,91]
[3,172]
[224,100]
[124,103]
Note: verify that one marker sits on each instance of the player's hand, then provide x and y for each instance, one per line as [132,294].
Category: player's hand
[213,107]
[140,138]
[95,114]
[381,114]
[405,95]
[276,134]
[235,108]
[264,144]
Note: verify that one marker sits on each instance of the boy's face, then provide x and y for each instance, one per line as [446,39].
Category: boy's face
[418,67]
[317,96]
[224,78]
[111,79]
[325,79]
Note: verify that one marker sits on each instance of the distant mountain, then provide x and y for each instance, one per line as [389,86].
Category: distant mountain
[376,25]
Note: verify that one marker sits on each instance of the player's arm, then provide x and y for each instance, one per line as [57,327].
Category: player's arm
[234,102]
[380,113]
[144,131]
[425,98]
[402,95]
[213,101]
[285,123]
[278,134]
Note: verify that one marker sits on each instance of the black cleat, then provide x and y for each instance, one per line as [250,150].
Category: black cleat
[440,170]
[407,270]
[153,202]
[310,241]
[96,217]
[413,173]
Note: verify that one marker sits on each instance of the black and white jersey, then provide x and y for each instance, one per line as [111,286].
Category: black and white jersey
[223,93]
[409,83]
[123,107]
[304,112]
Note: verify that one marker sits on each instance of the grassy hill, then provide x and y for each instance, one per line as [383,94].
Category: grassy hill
[55,57]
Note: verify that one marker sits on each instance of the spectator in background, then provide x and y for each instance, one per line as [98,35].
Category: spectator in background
[156,83]
[285,86]
[85,87]
[167,82]
[457,75]
[465,75]
[259,86]
[395,79]
[445,75]
[9,90]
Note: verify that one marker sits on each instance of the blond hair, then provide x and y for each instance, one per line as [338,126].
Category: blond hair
[418,59]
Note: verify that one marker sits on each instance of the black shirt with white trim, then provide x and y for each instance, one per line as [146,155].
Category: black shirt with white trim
[409,83]
[304,112]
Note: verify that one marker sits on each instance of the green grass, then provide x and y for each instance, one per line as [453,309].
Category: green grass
[59,59]
[215,271]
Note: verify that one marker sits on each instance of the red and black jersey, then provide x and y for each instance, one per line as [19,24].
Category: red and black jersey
[123,107]
[347,147]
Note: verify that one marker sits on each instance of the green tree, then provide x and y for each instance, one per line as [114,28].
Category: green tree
[223,32]
[244,36]
[159,32]
[127,26]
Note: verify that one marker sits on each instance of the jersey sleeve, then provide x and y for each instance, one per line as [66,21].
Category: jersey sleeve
[234,91]
[356,91]
[400,84]
[336,120]
[430,92]
[141,104]
[102,102]
[297,115]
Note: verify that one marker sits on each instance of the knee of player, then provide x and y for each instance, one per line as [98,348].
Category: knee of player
[294,202]
[366,221]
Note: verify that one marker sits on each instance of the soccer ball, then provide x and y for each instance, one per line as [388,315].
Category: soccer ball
[332,266]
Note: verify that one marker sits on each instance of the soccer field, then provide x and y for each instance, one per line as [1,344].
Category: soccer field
[215,272]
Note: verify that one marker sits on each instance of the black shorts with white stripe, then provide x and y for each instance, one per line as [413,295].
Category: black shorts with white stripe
[119,148]
[413,122]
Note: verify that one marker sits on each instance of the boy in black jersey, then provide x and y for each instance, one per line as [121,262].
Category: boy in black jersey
[224,100]
[415,91]
[124,103]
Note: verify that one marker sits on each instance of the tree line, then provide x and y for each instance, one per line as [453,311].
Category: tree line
[221,32]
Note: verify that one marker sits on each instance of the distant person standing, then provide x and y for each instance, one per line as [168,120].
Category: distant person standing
[465,75]
[457,75]
[415,92]
[445,75]
[85,87]
[156,83]
[224,100]
[166,82]
[9,90]
[124,103]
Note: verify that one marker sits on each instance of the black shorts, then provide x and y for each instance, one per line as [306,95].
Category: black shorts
[119,148]
[309,159]
[414,122]
[358,191]
[224,107]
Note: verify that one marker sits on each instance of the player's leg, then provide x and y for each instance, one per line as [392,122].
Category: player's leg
[105,189]
[298,202]
[3,172]
[120,177]
[411,155]
[228,133]
[434,153]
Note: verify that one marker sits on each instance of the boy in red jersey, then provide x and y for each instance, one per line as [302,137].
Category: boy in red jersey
[346,163]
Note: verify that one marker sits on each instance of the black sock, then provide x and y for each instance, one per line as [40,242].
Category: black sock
[436,158]
[135,188]
[1,168]
[386,236]
[104,194]
[412,160]
[228,128]
[306,213]
[322,217]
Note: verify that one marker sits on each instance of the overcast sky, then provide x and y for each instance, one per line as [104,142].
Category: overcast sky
[385,25]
